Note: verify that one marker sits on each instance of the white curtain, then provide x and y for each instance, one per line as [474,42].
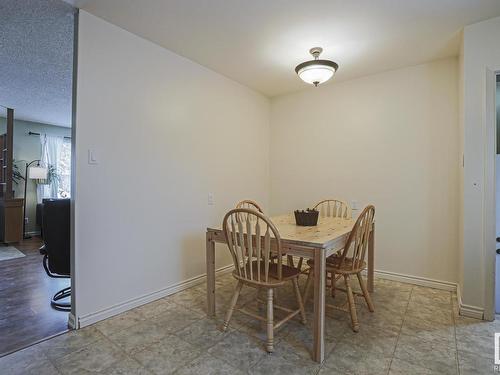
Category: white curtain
[51,156]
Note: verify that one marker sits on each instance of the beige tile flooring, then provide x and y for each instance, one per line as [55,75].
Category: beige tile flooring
[414,330]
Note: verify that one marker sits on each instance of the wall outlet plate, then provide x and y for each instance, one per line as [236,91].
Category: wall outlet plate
[354,205]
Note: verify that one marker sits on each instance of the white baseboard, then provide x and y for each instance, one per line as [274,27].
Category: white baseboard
[468,310]
[463,309]
[82,321]
[95,317]
[416,280]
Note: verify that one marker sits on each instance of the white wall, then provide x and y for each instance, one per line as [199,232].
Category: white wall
[389,139]
[481,53]
[166,132]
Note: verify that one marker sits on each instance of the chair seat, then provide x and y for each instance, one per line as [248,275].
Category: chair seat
[333,264]
[287,272]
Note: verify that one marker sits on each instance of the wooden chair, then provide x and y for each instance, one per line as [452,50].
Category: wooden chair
[251,237]
[248,203]
[350,261]
[334,208]
[252,205]
[331,208]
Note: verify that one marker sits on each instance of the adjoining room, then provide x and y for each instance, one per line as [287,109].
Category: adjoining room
[35,135]
[262,187]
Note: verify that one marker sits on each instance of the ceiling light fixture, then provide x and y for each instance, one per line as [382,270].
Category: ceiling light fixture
[316,72]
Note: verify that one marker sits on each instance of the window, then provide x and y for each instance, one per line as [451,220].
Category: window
[64,170]
[56,156]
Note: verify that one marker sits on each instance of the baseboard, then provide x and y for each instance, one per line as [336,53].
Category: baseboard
[468,310]
[463,309]
[33,233]
[417,280]
[92,318]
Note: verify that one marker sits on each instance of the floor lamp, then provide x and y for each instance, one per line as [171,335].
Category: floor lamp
[31,173]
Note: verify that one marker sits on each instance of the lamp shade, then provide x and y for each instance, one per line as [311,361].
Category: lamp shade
[37,173]
[316,72]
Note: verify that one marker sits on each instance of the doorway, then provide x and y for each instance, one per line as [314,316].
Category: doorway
[36,89]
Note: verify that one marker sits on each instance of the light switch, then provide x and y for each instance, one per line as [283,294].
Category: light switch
[92,157]
[211,199]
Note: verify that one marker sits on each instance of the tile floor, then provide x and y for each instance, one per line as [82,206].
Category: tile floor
[414,330]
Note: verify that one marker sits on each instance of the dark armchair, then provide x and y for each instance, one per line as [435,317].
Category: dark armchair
[56,236]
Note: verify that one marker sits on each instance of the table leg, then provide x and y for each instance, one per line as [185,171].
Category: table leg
[371,258]
[210,276]
[319,305]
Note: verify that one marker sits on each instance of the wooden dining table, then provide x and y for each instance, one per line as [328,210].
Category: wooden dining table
[314,242]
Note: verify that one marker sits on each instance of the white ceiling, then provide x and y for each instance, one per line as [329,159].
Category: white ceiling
[259,42]
[36,60]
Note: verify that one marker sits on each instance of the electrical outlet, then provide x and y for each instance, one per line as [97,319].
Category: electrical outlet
[211,199]
[355,205]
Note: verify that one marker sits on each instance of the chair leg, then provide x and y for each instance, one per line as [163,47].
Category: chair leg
[270,322]
[234,299]
[299,300]
[308,286]
[299,265]
[352,306]
[62,306]
[333,284]
[366,294]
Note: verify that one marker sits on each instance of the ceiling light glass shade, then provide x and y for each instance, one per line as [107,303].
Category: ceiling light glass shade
[316,72]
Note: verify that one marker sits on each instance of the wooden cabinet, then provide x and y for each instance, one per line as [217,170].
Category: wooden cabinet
[11,220]
[3,159]
[11,209]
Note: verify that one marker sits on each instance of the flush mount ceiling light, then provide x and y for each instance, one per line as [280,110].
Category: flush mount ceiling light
[316,72]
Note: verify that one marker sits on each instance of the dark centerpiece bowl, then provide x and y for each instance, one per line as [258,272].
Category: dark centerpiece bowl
[307,218]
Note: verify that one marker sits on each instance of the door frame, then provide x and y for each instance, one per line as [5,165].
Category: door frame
[489,203]
[72,318]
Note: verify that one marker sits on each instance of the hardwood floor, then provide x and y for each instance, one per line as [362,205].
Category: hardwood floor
[26,316]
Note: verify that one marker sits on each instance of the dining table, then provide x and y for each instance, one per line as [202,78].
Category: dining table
[311,242]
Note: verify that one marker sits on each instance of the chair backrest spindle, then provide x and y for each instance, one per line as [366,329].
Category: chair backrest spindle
[357,242]
[334,208]
[250,204]
[252,238]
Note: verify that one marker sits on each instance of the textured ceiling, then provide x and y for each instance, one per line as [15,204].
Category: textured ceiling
[36,59]
[259,42]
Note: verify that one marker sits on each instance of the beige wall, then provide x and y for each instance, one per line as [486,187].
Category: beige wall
[165,132]
[389,139]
